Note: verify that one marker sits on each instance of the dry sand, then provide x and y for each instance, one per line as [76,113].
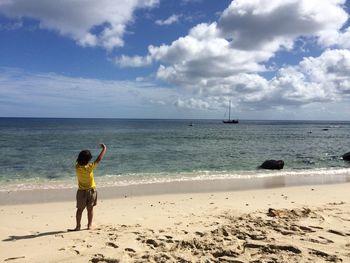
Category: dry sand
[289,224]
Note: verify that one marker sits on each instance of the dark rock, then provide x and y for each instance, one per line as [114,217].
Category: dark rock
[272,164]
[346,156]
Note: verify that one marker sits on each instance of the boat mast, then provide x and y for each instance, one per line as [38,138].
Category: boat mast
[229,111]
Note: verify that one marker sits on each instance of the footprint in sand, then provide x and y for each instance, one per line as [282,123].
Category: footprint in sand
[316,227]
[335,203]
[336,232]
[199,234]
[111,244]
[152,242]
[323,241]
[330,241]
[326,256]
[101,258]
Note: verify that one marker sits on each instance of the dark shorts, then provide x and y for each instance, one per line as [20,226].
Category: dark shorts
[86,198]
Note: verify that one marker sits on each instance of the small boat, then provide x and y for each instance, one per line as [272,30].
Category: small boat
[229,121]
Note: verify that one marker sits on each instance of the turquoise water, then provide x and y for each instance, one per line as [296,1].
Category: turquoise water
[44,150]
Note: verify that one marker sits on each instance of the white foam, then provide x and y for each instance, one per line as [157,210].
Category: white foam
[110,180]
[152,178]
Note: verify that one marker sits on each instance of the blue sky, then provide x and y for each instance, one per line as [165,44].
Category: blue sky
[175,59]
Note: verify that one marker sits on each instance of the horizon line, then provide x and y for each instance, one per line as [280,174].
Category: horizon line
[203,119]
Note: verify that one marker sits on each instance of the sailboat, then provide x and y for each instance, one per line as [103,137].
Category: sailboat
[229,121]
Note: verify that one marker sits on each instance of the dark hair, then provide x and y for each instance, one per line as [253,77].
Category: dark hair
[84,157]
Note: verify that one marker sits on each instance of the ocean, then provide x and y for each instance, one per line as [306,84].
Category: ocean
[41,152]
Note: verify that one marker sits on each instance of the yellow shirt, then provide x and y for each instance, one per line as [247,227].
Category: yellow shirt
[85,175]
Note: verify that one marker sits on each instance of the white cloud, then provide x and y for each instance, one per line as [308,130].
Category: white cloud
[202,55]
[272,24]
[136,61]
[248,34]
[48,94]
[224,59]
[315,80]
[193,104]
[314,84]
[170,20]
[79,19]
[339,39]
[331,70]
[215,61]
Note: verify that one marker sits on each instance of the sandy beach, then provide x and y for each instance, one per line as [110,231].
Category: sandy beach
[285,224]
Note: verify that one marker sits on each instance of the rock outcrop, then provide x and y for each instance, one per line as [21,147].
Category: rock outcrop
[272,165]
[346,156]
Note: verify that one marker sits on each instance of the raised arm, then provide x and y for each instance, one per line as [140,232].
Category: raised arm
[102,153]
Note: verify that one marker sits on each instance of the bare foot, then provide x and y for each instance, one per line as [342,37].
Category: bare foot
[75,229]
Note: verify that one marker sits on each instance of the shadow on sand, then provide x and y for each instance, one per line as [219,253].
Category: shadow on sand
[14,238]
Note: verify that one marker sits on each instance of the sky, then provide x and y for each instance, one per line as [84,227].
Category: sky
[183,59]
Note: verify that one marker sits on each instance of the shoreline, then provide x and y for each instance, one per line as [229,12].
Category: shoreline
[175,187]
[311,224]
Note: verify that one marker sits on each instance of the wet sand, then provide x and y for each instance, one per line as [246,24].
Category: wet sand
[281,224]
[11,197]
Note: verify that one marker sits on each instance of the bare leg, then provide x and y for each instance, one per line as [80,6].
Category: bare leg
[90,212]
[78,218]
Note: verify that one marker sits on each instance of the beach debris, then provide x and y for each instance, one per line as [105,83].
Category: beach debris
[272,165]
[346,156]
